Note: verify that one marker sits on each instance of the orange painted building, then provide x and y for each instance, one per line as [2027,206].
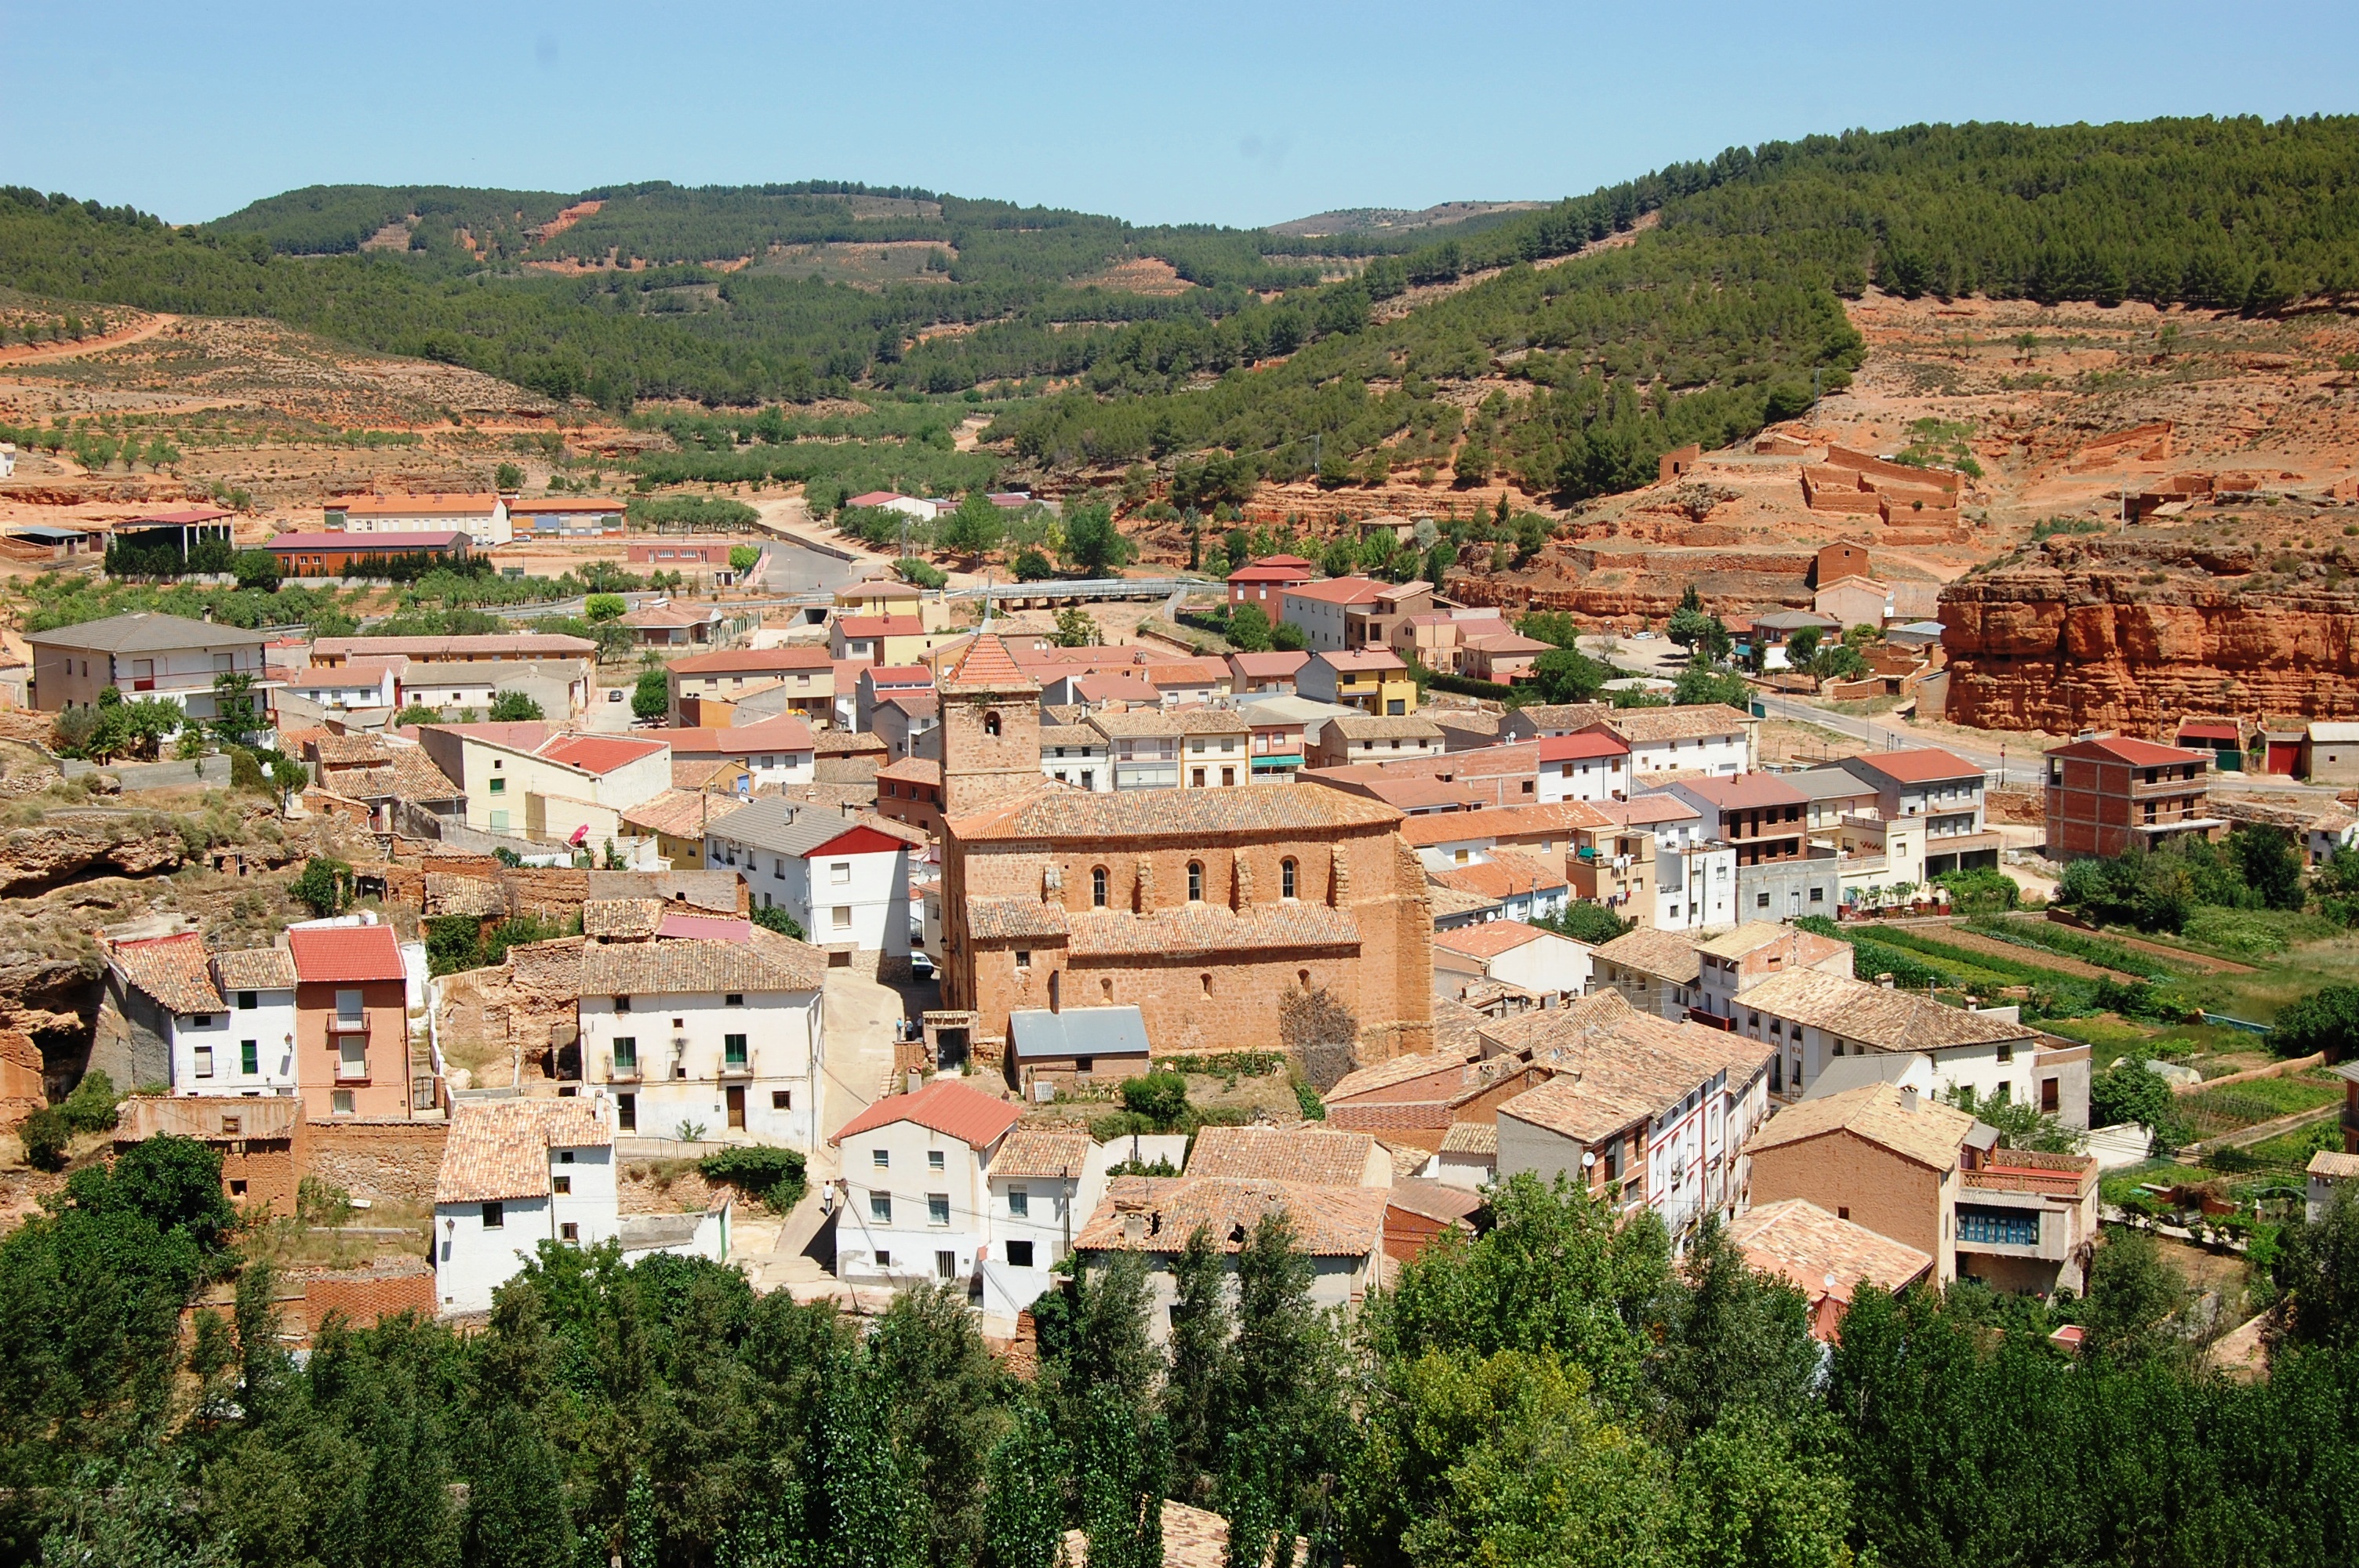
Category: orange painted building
[352,1021]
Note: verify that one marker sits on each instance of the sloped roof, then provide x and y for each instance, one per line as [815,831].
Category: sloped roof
[497,1150]
[599,753]
[1616,1064]
[621,917]
[1664,953]
[764,962]
[1918,764]
[1208,929]
[429,503]
[172,969]
[1930,1135]
[2138,753]
[1328,1222]
[145,632]
[516,644]
[680,813]
[1305,1154]
[1470,1138]
[1429,828]
[255,969]
[1385,727]
[754,661]
[784,733]
[1042,1151]
[1581,744]
[945,1106]
[1436,1200]
[1489,939]
[1745,792]
[1886,1018]
[1823,1255]
[987,665]
[1039,1035]
[784,827]
[1505,874]
[208,1116]
[345,955]
[1640,726]
[1181,813]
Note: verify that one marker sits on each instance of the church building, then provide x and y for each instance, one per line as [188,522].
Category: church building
[1205,909]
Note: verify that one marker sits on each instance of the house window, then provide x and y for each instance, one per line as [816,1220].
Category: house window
[2048,1100]
[839,871]
[246,1002]
[881,1158]
[627,1054]
[734,999]
[1019,1254]
[2006,1049]
[626,1113]
[880,1207]
[1286,870]
[348,1007]
[946,1265]
[934,1161]
[1019,1203]
[938,1209]
[1023,959]
[499,786]
[249,1056]
[1097,887]
[883,1259]
[1760,900]
[340,1102]
[562,1185]
[732,1049]
[1195,881]
[622,1004]
[570,1231]
[205,1061]
[494,1216]
[237,1188]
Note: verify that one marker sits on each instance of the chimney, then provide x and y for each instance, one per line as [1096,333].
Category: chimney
[1885,981]
[1909,1099]
[1134,1227]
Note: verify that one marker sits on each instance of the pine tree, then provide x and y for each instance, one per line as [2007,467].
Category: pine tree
[1023,1511]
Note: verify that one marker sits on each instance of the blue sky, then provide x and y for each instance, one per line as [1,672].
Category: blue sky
[1220,112]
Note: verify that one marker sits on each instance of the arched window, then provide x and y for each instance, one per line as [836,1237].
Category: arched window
[1097,887]
[991,723]
[1206,981]
[1195,881]
[1285,878]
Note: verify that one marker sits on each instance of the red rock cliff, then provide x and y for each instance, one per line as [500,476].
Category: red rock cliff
[2131,634]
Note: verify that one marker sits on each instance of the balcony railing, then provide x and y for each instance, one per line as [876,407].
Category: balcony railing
[624,1069]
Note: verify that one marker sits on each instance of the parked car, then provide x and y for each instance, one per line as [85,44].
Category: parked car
[616,695]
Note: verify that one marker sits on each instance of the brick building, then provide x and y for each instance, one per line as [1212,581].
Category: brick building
[2107,795]
[1203,908]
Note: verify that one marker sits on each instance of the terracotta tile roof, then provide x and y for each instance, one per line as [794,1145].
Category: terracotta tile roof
[702,925]
[448,893]
[1340,591]
[1385,1075]
[987,665]
[1930,1135]
[598,753]
[621,917]
[1328,1222]
[1640,726]
[1470,1138]
[912,769]
[1665,954]
[696,773]
[764,962]
[994,919]
[348,750]
[1360,659]
[1566,717]
[1615,1064]
[672,615]
[945,1106]
[2332,1165]
[1918,764]
[1745,792]
[1429,828]
[1489,939]
[1436,1200]
[1589,743]
[431,504]
[847,743]
[497,1150]
[1303,1154]
[1505,874]
[1870,1014]
[1209,930]
[1280,665]
[1822,1255]
[1448,902]
[786,733]
[1383,727]
[209,1117]
[2122,749]
[565,505]
[713,890]
[1043,1152]
[255,969]
[753,661]
[680,813]
[1180,815]
[512,644]
[1649,810]
[345,955]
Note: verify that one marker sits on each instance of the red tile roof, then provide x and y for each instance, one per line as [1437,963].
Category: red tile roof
[913,677]
[875,498]
[1340,591]
[564,506]
[1489,939]
[746,660]
[879,625]
[1920,764]
[599,753]
[1745,792]
[344,954]
[431,504]
[187,514]
[1570,748]
[371,544]
[946,1107]
[986,662]
[2138,753]
[1364,659]
[786,733]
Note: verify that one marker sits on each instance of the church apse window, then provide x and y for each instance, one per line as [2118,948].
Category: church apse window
[1195,881]
[1097,887]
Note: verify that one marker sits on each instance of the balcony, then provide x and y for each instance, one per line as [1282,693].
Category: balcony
[623,1069]
[741,1069]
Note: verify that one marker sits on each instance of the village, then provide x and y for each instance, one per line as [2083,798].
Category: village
[994,953]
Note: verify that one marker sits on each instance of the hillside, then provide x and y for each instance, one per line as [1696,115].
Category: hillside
[1461,215]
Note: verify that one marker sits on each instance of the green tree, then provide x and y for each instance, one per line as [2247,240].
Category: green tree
[256,569]
[1023,1515]
[651,695]
[1161,1098]
[2326,1020]
[1698,684]
[416,713]
[325,885]
[1289,637]
[2316,1271]
[1122,1465]
[2129,1092]
[1032,566]
[2269,863]
[2133,1297]
[1249,628]
[1586,921]
[976,529]
[1200,1389]
[1076,629]
[513,707]
[507,477]
[1563,675]
[600,607]
[946,1398]
[1730,1338]
[1801,647]
[1093,547]
[1750,1493]
[773,917]
[1686,625]
[235,718]
[742,556]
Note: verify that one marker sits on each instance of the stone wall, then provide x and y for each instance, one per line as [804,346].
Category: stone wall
[361,1299]
[393,1161]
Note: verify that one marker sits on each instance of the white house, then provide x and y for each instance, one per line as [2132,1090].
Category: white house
[1042,1184]
[518,1172]
[1695,886]
[1541,962]
[844,880]
[774,750]
[1592,766]
[712,1024]
[220,1026]
[354,684]
[917,1206]
[1076,754]
[1708,738]
[1639,1109]
[528,780]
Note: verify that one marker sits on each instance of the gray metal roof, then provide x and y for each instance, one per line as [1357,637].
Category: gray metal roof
[1795,620]
[41,533]
[783,827]
[1040,1034]
[145,631]
[1829,783]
